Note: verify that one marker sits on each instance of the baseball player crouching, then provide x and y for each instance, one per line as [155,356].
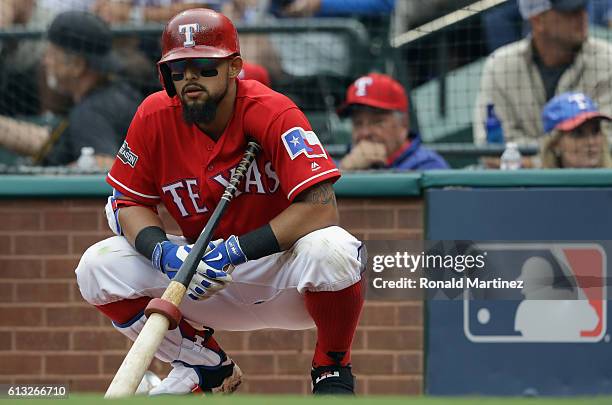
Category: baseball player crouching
[293,266]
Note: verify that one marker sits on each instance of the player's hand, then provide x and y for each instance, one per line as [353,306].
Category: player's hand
[365,155]
[168,258]
[220,260]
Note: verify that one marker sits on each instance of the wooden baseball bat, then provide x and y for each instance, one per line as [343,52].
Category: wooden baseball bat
[141,353]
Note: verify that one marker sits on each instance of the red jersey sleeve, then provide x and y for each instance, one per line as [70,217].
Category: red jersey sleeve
[299,159]
[132,173]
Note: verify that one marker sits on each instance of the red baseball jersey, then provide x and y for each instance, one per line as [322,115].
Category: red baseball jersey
[164,160]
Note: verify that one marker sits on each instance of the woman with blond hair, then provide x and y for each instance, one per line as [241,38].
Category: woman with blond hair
[576,137]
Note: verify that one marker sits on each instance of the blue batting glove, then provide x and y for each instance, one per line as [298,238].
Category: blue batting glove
[225,255]
[165,258]
[214,273]
[168,257]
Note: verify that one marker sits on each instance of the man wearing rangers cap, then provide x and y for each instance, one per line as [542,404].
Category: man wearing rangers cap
[378,107]
[293,266]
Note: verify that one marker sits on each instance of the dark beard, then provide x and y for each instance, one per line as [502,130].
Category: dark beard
[204,113]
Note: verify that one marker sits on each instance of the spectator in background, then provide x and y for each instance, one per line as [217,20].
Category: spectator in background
[504,24]
[378,107]
[559,56]
[576,138]
[79,63]
[23,90]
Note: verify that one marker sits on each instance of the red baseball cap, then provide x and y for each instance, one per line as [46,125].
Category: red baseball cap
[375,90]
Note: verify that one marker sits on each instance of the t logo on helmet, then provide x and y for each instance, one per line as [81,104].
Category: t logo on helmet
[189,30]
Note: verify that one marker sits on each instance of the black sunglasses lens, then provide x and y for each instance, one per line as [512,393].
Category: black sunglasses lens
[178,66]
[209,72]
[206,67]
[177,77]
[204,63]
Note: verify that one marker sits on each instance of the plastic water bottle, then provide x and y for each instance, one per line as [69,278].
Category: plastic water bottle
[511,159]
[87,162]
[493,126]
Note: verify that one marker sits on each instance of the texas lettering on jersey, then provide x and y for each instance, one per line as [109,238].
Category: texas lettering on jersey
[182,168]
[185,192]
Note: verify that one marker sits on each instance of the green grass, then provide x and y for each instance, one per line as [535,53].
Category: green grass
[297,400]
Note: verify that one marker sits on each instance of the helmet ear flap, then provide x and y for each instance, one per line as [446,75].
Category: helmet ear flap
[166,79]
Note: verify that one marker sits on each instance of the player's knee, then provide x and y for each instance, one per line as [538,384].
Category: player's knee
[92,268]
[330,259]
[328,246]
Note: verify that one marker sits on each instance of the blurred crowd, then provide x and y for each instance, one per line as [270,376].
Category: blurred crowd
[545,82]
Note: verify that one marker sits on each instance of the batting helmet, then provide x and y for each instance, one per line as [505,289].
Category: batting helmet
[196,33]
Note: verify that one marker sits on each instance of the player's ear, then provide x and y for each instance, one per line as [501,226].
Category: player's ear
[235,67]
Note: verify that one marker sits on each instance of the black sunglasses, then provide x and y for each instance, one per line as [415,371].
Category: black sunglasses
[207,67]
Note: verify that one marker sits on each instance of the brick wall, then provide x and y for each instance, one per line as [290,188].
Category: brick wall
[49,334]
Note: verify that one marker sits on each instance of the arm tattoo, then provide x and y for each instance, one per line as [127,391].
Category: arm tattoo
[319,194]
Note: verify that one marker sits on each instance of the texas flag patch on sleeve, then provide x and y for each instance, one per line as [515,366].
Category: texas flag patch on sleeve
[297,141]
